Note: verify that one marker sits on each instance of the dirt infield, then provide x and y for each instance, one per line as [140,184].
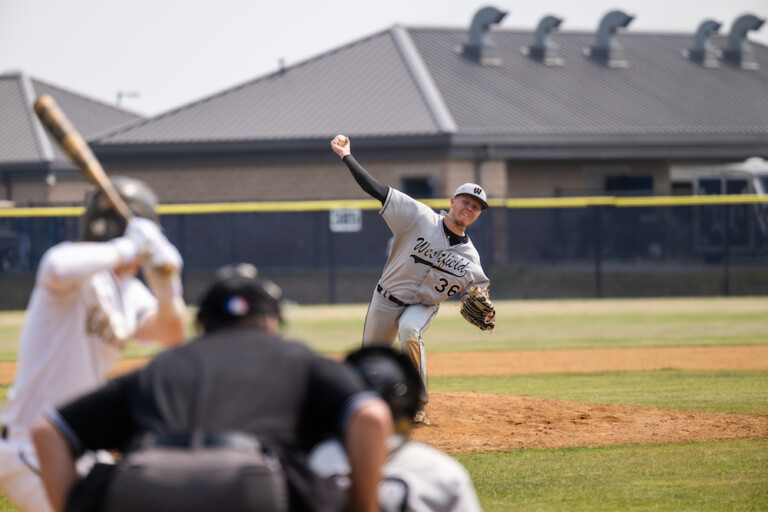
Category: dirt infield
[475,422]
[483,422]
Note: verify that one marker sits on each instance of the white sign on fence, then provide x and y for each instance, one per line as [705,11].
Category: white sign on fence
[346,220]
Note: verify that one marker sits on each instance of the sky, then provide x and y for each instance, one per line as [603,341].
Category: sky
[151,56]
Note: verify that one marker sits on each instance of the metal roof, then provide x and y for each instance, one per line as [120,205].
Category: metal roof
[363,88]
[21,138]
[23,141]
[408,84]
[660,93]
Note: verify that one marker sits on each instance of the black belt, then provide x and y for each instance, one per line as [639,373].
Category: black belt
[389,296]
[239,441]
[5,434]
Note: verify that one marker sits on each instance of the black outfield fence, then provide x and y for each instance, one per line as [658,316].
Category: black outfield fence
[324,252]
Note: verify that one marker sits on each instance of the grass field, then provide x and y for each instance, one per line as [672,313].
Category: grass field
[526,325]
[560,324]
[721,475]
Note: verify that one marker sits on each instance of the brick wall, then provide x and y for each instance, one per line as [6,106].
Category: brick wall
[547,179]
[29,192]
[68,191]
[291,182]
[332,180]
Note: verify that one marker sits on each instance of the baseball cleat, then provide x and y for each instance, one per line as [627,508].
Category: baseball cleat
[421,417]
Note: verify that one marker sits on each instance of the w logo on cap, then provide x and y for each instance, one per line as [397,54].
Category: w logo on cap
[474,190]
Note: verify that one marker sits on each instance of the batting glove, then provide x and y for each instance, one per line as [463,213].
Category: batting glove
[162,272]
[144,234]
[165,255]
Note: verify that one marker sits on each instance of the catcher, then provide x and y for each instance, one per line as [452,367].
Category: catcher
[431,260]
[416,476]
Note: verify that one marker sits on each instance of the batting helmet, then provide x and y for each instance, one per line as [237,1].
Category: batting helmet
[392,375]
[101,222]
[237,293]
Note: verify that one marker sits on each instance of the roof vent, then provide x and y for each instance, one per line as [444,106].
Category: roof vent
[544,49]
[607,50]
[738,52]
[703,51]
[479,47]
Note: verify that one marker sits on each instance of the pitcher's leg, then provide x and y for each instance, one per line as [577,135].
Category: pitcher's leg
[414,321]
[381,321]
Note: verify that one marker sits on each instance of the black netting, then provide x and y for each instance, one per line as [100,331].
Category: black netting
[596,251]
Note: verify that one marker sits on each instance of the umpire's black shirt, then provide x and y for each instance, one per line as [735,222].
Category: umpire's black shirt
[231,379]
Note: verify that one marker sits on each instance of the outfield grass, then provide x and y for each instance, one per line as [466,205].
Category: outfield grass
[524,325]
[562,324]
[10,325]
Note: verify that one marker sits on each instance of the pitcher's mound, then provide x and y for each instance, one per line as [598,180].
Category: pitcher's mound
[482,422]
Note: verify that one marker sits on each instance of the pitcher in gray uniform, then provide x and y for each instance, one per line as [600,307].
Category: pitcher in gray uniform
[431,260]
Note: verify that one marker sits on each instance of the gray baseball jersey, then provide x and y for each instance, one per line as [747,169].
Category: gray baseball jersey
[423,268]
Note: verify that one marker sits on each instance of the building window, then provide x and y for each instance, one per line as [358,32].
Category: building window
[419,188]
[628,184]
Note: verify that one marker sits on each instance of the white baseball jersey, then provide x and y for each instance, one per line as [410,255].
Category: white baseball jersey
[423,268]
[79,318]
[77,324]
[416,477]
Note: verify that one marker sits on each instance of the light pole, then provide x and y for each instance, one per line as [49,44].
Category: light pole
[124,94]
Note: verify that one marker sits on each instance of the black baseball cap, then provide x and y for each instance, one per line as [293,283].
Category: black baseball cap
[236,293]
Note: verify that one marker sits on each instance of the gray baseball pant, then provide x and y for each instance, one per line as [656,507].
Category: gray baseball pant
[386,321]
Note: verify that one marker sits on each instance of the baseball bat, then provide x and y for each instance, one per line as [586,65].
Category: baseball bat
[73,144]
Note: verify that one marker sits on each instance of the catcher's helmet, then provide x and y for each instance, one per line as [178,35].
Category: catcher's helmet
[101,222]
[237,293]
[392,375]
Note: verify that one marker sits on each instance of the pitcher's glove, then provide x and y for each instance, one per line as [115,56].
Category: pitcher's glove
[478,309]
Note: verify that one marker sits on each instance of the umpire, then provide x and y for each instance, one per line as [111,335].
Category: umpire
[221,423]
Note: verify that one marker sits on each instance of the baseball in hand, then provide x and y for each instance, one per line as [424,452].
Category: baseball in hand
[341,140]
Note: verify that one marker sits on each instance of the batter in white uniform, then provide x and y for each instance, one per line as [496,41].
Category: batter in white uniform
[85,306]
[431,260]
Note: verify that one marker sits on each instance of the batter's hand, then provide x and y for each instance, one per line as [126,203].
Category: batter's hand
[166,256]
[140,237]
[162,271]
[340,150]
